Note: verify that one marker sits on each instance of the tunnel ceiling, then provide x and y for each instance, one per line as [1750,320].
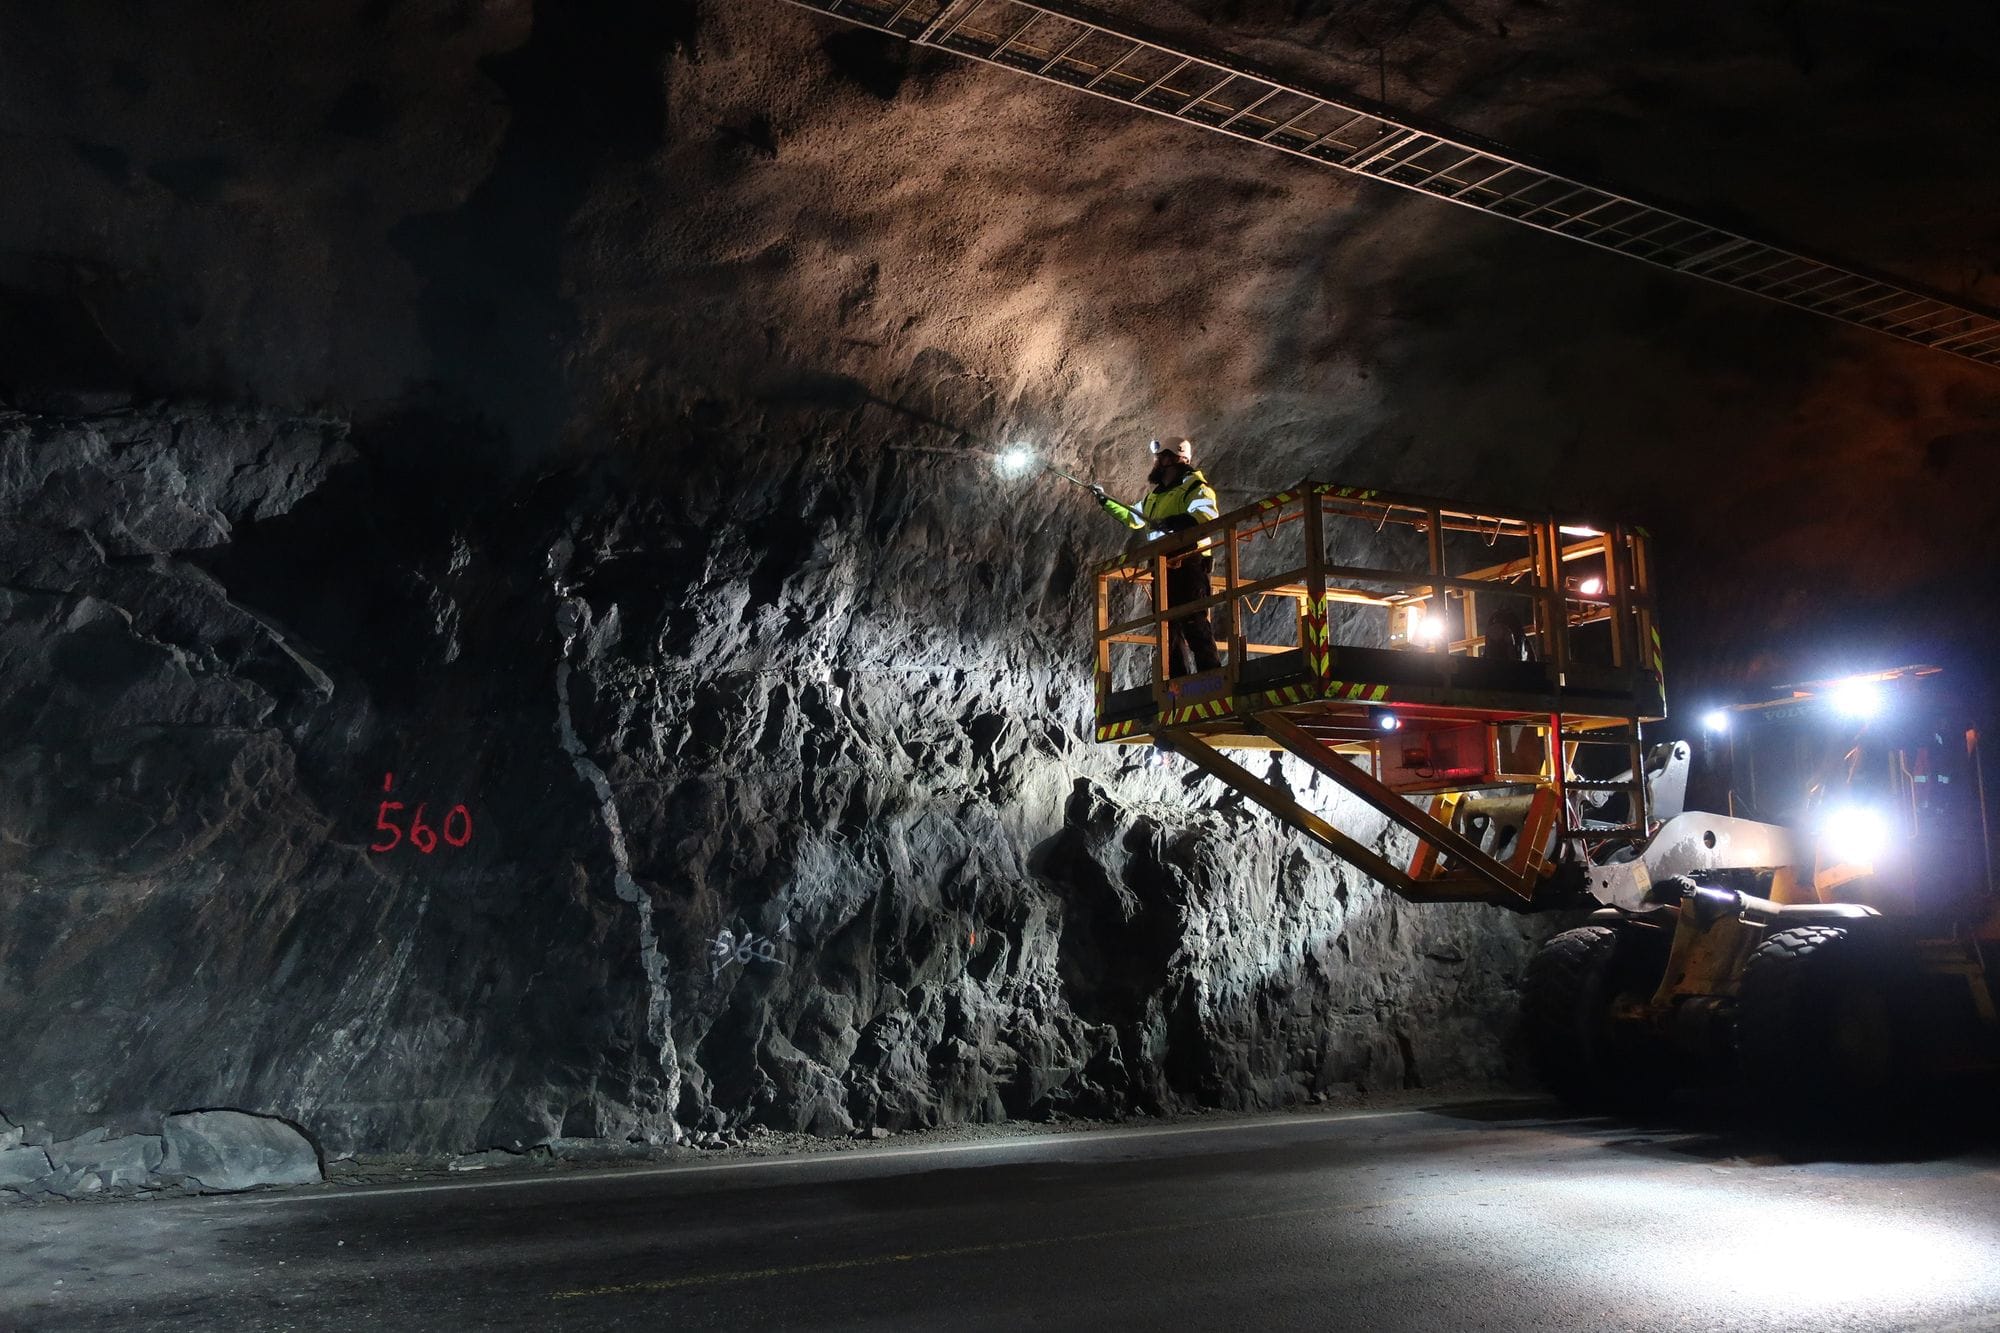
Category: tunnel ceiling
[1137,68]
[585,227]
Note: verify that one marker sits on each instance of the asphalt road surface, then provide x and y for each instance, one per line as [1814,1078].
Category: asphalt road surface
[1494,1217]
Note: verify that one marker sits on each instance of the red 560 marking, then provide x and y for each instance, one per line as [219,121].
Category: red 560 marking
[455,830]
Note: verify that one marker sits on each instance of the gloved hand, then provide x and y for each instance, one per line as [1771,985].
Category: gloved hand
[1098,491]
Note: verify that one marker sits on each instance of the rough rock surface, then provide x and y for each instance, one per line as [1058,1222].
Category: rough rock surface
[133,1159]
[23,1166]
[593,401]
[228,1150]
[748,840]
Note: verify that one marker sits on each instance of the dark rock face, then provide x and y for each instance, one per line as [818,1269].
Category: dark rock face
[718,826]
[613,550]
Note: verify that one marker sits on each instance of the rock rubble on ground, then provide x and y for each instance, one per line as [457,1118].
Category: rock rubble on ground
[200,1152]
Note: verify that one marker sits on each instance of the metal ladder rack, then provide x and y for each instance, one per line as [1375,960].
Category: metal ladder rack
[1079,49]
[1625,738]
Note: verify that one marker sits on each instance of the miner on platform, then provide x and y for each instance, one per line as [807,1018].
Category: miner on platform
[1181,498]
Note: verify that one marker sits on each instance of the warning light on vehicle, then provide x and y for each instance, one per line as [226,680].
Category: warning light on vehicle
[1385,720]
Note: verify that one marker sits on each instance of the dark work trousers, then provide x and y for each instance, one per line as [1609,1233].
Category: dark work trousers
[1188,582]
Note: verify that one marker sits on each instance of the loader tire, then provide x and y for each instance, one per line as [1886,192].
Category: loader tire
[1567,1010]
[1815,1027]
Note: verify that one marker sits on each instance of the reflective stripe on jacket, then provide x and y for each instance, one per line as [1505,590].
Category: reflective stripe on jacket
[1191,497]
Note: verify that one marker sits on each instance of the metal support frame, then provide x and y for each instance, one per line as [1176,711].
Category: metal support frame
[1516,880]
[1234,776]
[998,32]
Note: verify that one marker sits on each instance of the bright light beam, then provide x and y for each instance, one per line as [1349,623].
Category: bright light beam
[1854,835]
[1857,699]
[1015,461]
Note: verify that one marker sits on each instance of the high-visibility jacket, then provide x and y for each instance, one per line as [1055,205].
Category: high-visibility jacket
[1165,509]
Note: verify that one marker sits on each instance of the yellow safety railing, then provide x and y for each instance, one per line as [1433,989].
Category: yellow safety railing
[1580,594]
[1492,647]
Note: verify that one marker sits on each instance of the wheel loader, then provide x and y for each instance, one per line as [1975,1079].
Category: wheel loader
[1826,930]
[1799,896]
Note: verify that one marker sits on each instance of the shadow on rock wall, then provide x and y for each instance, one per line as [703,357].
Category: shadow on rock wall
[600,809]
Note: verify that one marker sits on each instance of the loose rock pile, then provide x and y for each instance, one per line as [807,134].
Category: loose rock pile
[198,1152]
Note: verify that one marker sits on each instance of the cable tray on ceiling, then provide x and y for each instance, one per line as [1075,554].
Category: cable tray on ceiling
[1077,49]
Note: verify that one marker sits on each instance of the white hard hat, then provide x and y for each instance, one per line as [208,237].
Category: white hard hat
[1183,451]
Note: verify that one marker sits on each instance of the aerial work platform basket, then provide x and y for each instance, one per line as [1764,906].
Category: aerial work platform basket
[1481,678]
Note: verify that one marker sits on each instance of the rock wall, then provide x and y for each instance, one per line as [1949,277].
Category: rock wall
[707,818]
[567,419]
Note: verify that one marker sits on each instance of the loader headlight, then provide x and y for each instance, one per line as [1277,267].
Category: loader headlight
[1854,834]
[1715,721]
[1385,720]
[1857,699]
